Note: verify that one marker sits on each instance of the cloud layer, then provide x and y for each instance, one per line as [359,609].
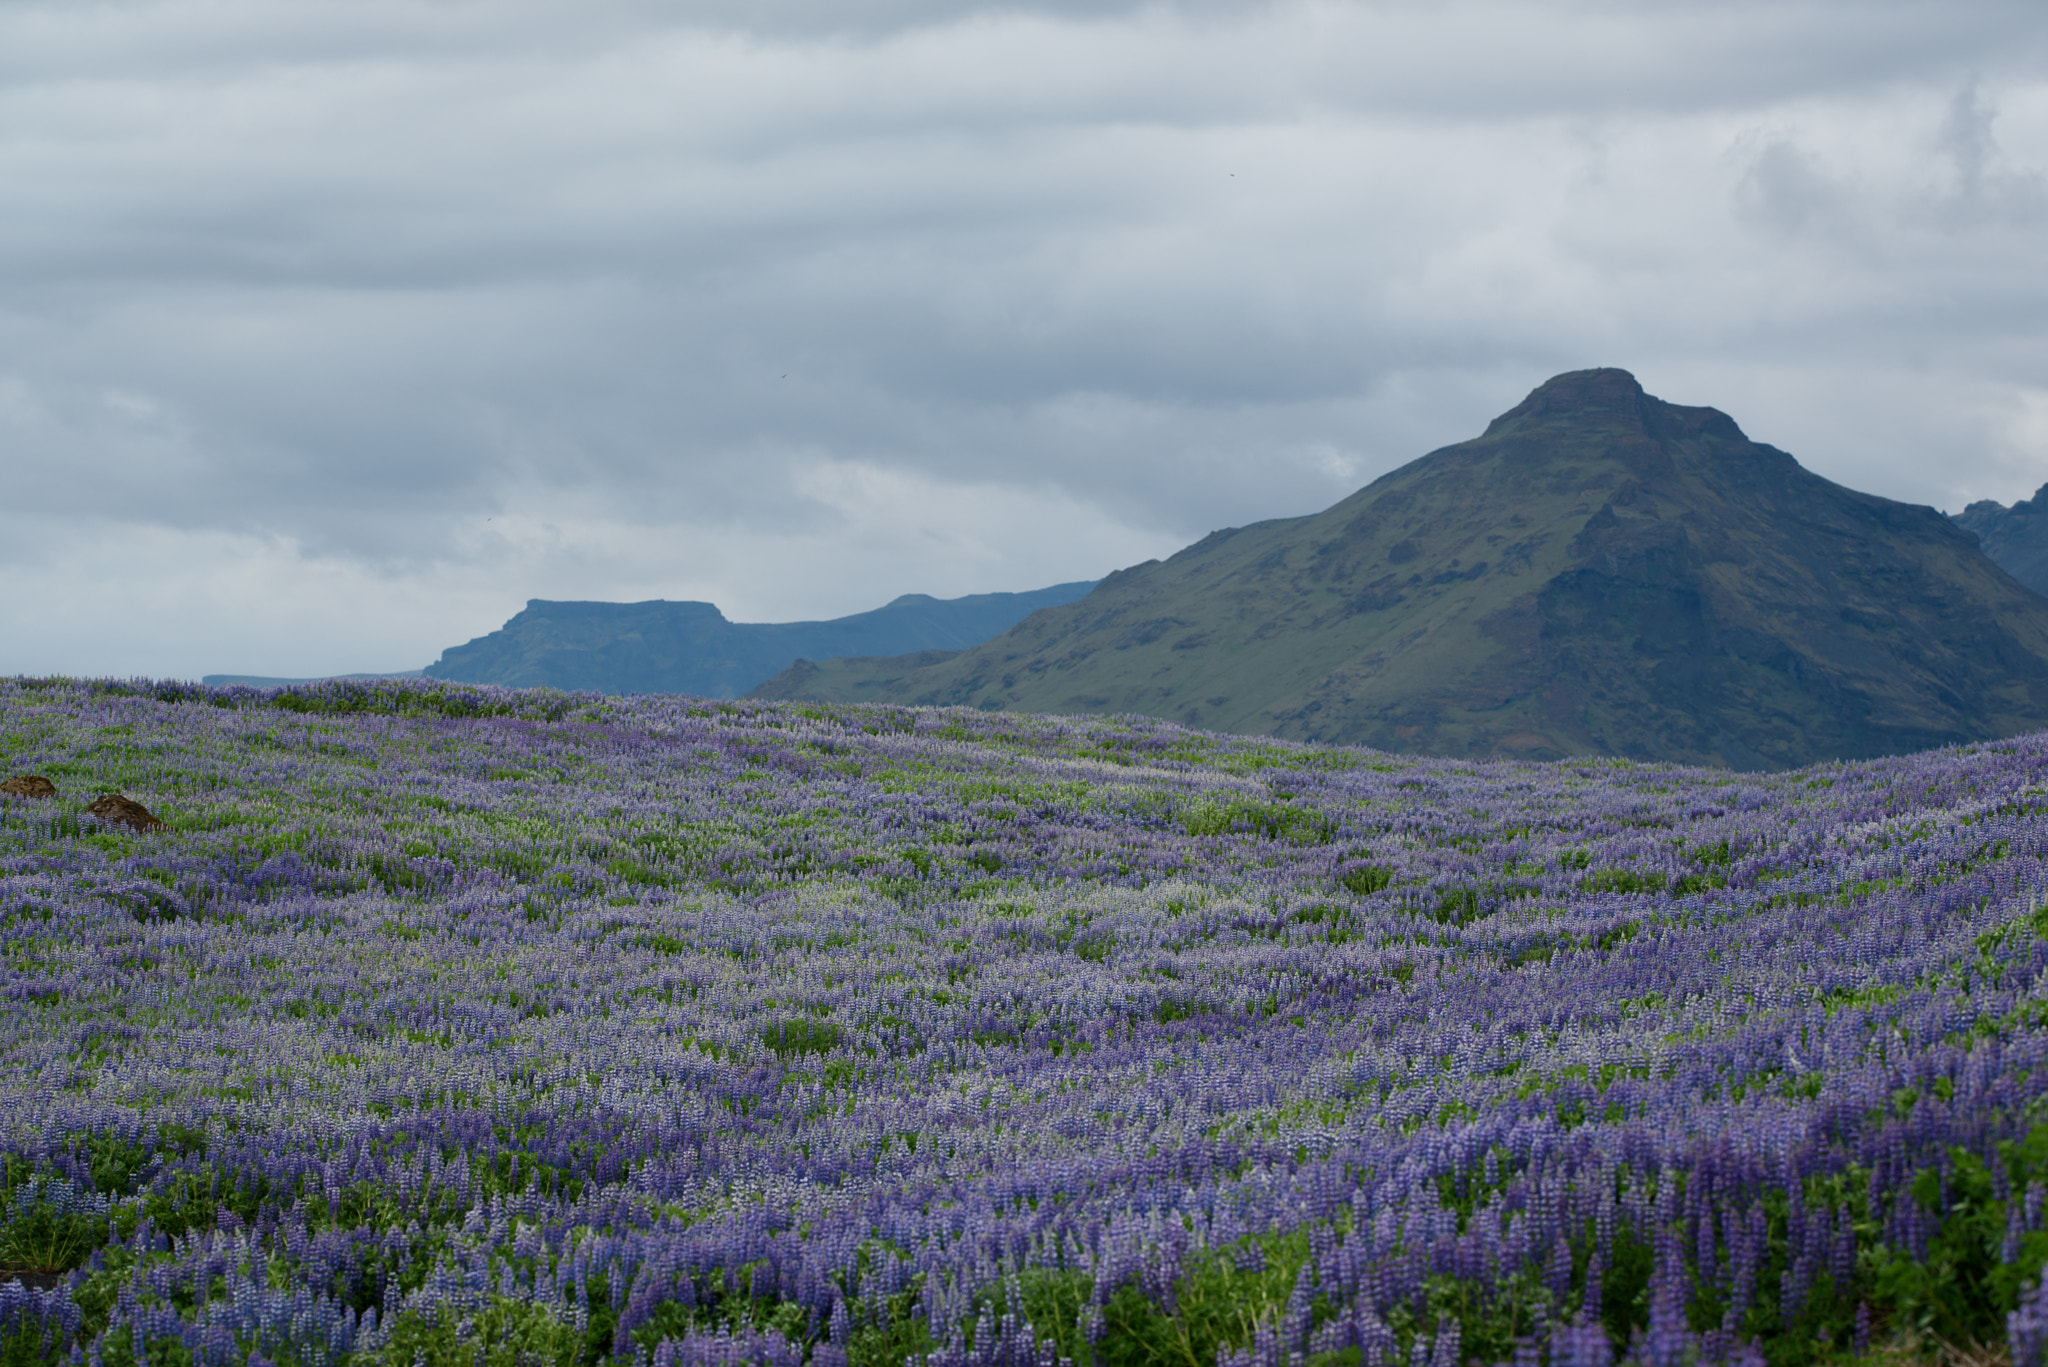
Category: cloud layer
[331,332]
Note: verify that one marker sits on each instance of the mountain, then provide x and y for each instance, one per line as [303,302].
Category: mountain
[663,647]
[2016,537]
[1600,573]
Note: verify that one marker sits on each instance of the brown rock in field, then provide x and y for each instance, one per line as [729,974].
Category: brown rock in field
[29,785]
[126,810]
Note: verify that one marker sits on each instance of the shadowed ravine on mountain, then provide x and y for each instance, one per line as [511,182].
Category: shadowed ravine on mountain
[1601,572]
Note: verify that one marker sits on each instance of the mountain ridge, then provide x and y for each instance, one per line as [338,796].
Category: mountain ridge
[1599,572]
[2016,537]
[660,646]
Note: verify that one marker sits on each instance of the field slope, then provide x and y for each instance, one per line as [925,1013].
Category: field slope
[456,1025]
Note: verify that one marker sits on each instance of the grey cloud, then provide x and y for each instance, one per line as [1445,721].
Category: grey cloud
[801,306]
[1784,190]
[1987,189]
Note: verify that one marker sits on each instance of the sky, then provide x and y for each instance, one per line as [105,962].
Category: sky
[331,331]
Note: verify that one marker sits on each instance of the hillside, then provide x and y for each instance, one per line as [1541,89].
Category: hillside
[1599,573]
[663,647]
[2016,537]
[427,1025]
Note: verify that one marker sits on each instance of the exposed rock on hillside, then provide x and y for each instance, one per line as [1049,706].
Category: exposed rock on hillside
[126,810]
[2016,537]
[1600,573]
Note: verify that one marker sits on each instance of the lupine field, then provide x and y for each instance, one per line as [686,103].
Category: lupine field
[457,1026]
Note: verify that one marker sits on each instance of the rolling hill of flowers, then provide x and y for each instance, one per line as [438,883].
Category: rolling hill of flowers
[445,1025]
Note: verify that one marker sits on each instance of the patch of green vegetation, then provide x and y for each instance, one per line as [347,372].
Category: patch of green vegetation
[1456,906]
[799,1035]
[635,871]
[408,699]
[45,1239]
[1878,994]
[397,874]
[1367,879]
[2031,923]
[1095,946]
[1220,1299]
[1623,880]
[1268,820]
[505,1333]
[1024,794]
[1617,935]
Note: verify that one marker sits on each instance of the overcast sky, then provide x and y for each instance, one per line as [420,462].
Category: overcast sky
[333,330]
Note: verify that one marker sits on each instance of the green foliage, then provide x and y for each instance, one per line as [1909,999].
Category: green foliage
[1095,946]
[1717,855]
[890,1337]
[405,698]
[41,1239]
[1268,820]
[505,1333]
[2032,923]
[634,871]
[1623,880]
[799,1035]
[119,1351]
[1221,1297]
[396,874]
[117,1162]
[1620,934]
[1022,793]
[1369,878]
[672,1319]
[1625,1286]
[1456,906]
[26,1348]
[1963,1289]
[1489,1319]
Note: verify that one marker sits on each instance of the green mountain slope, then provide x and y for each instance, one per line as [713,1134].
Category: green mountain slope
[1599,573]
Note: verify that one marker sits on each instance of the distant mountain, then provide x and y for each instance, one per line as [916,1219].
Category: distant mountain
[2016,537]
[1600,573]
[663,647]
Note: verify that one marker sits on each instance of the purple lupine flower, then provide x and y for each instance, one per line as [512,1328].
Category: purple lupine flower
[592,937]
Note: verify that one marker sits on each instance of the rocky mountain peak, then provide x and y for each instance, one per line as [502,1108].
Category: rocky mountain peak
[1611,399]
